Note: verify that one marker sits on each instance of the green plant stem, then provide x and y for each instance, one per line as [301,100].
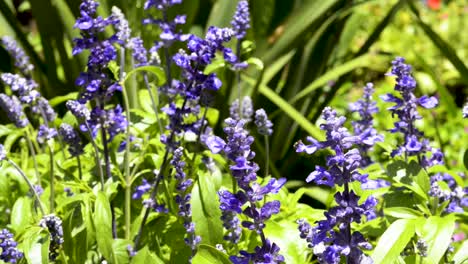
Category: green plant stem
[128,177]
[31,187]
[153,102]
[33,154]
[238,78]
[52,185]
[80,172]
[96,155]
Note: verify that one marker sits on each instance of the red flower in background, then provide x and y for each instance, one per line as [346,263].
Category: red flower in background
[434,4]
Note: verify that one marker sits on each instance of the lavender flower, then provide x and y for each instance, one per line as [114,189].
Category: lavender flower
[24,88]
[243,169]
[168,35]
[268,254]
[96,83]
[141,190]
[14,110]
[112,121]
[139,52]
[406,110]
[18,54]
[54,225]
[332,238]
[183,199]
[456,195]
[79,110]
[122,27]
[241,21]
[45,134]
[247,110]
[264,125]
[71,137]
[364,128]
[9,252]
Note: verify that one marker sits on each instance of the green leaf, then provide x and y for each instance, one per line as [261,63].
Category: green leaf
[36,246]
[21,214]
[61,99]
[289,110]
[462,254]
[256,62]
[103,225]
[208,254]
[144,256]
[465,159]
[285,234]
[205,210]
[393,241]
[157,71]
[333,74]
[120,251]
[437,232]
[221,14]
[299,23]
[402,212]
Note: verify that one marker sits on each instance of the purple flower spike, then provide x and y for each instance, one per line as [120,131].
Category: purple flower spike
[243,169]
[241,20]
[9,252]
[332,239]
[406,110]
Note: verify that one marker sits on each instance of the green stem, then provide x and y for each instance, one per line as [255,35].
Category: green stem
[96,155]
[33,154]
[153,102]
[80,172]
[128,179]
[31,187]
[238,78]
[52,186]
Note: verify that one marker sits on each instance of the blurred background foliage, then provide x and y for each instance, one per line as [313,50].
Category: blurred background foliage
[315,53]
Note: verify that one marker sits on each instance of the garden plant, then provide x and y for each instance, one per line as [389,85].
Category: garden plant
[245,132]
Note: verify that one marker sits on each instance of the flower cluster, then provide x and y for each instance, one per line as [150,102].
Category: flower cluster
[183,198]
[332,238]
[12,106]
[169,35]
[241,20]
[98,84]
[405,109]
[264,125]
[18,54]
[8,251]
[244,170]
[194,82]
[364,128]
[455,194]
[246,109]
[25,89]
[54,225]
[71,137]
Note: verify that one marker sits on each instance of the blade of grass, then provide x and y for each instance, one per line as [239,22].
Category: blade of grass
[297,26]
[331,75]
